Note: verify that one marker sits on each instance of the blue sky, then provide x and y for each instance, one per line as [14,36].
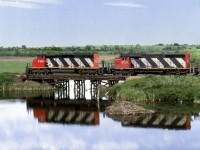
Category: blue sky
[98,22]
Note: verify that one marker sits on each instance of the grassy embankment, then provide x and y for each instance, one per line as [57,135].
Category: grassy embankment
[12,67]
[10,78]
[158,88]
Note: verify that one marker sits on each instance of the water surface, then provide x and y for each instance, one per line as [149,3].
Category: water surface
[23,127]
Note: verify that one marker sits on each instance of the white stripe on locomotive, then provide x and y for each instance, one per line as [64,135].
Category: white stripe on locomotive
[69,62]
[79,62]
[89,62]
[60,64]
[146,63]
[158,63]
[182,62]
[171,64]
[49,64]
[134,63]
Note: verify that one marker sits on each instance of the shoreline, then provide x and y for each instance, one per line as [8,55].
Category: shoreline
[126,108]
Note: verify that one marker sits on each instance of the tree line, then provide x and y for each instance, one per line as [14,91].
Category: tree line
[103,50]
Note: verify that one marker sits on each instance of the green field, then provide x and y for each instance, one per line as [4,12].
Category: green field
[12,67]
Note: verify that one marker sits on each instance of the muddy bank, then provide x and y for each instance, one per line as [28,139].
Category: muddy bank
[126,108]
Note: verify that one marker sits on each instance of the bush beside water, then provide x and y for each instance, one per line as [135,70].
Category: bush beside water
[158,88]
[7,84]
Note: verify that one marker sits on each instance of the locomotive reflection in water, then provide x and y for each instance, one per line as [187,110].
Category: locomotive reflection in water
[74,104]
[157,120]
[71,106]
[82,112]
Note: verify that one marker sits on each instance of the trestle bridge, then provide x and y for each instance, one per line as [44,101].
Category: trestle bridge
[61,84]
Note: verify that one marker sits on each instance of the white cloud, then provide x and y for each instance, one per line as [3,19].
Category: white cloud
[41,1]
[125,4]
[18,4]
[116,145]
[26,3]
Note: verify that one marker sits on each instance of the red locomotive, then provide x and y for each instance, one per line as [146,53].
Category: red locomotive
[65,63]
[152,64]
[126,64]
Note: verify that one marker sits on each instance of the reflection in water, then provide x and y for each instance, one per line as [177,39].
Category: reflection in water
[66,90]
[78,90]
[69,104]
[158,120]
[18,126]
[81,112]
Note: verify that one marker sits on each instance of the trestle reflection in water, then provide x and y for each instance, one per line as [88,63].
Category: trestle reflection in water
[79,89]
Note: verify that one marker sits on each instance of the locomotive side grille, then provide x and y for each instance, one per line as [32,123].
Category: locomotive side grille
[70,62]
[158,62]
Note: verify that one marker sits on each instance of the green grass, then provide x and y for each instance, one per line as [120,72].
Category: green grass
[6,78]
[158,88]
[7,84]
[12,67]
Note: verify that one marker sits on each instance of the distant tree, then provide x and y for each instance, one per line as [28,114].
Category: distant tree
[176,44]
[104,48]
[117,48]
[160,44]
[23,47]
[198,47]
[138,47]
[89,48]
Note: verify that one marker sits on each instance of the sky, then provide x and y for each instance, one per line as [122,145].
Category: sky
[39,23]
